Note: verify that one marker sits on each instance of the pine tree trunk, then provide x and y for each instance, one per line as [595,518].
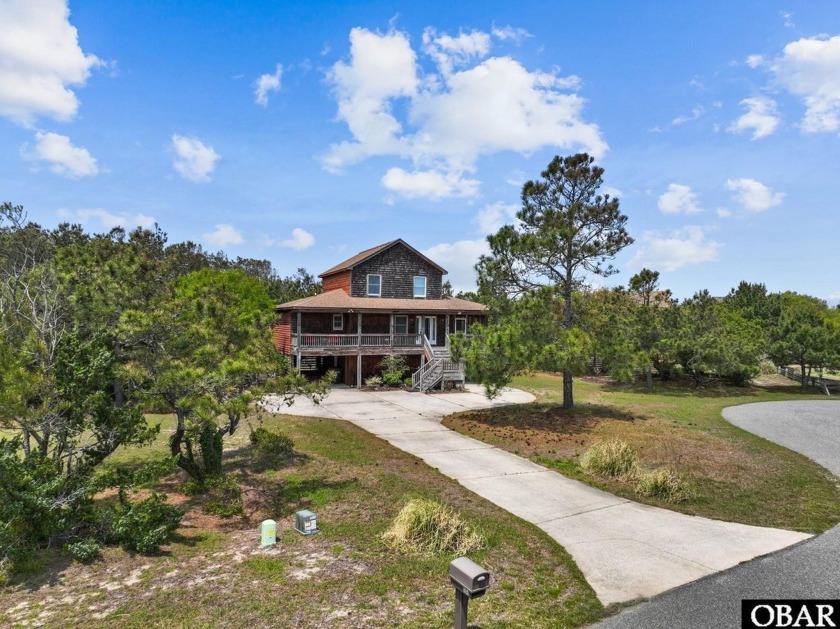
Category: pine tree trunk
[568,395]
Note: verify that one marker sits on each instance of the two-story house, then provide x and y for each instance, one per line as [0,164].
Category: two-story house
[384,300]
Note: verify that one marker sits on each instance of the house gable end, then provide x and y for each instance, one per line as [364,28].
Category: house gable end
[398,265]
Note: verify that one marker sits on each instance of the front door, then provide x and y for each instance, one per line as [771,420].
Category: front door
[430,329]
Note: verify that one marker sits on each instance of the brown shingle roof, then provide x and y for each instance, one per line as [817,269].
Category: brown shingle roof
[369,253]
[338,300]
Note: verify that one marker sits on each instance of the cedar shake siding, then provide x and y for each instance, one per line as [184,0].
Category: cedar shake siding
[282,334]
[398,266]
[338,280]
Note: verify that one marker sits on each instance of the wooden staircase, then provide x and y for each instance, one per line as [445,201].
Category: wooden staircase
[439,368]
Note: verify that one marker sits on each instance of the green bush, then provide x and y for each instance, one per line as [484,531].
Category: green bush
[665,484]
[424,526]
[767,367]
[394,368]
[84,551]
[610,458]
[223,495]
[373,381]
[408,381]
[272,443]
[144,525]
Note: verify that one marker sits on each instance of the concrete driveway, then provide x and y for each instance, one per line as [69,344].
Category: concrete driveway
[809,570]
[626,550]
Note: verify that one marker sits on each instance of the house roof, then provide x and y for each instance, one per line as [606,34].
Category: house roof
[338,300]
[369,253]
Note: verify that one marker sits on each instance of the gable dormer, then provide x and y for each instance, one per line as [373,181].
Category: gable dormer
[394,270]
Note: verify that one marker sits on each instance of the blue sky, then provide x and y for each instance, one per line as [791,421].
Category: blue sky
[303,132]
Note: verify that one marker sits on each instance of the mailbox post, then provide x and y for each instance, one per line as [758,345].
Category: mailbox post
[470,581]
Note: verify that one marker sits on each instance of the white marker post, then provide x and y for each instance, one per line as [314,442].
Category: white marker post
[269,532]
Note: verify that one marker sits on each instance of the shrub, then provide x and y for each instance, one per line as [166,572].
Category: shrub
[766,367]
[665,484]
[85,550]
[270,443]
[373,381]
[408,382]
[223,495]
[611,458]
[424,526]
[145,524]
[393,368]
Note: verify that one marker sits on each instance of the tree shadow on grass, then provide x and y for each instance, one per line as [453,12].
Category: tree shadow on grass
[548,417]
[45,567]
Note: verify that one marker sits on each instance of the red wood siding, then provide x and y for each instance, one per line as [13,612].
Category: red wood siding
[338,280]
[282,333]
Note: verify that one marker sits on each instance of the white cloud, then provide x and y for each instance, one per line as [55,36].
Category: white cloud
[491,218]
[446,121]
[300,240]
[107,219]
[683,247]
[195,161]
[761,117]
[224,235]
[459,258]
[266,84]
[450,52]
[679,199]
[509,32]
[754,60]
[753,195]
[40,60]
[696,113]
[810,68]
[64,158]
[723,212]
[431,184]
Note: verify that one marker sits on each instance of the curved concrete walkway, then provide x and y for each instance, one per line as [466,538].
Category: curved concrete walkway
[626,550]
[809,570]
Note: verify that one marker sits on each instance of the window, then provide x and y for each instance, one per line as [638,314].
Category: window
[374,285]
[461,325]
[401,324]
[419,286]
[338,322]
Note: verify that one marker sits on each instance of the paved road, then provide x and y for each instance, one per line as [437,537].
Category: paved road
[625,550]
[808,570]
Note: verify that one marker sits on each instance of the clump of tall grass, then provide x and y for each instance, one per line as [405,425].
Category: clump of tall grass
[424,526]
[610,458]
[664,484]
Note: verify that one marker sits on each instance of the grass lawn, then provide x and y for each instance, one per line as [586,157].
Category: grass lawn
[216,575]
[734,475]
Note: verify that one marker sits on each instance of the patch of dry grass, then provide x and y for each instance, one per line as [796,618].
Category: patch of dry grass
[734,475]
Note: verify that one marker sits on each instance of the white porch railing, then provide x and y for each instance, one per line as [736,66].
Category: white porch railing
[329,341]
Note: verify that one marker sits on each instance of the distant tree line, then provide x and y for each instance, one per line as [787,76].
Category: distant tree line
[95,331]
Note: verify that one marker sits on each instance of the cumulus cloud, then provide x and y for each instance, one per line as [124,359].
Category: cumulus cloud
[107,219]
[753,195]
[459,258]
[679,199]
[810,69]
[300,240]
[195,161]
[224,235]
[669,252]
[761,117]
[40,61]
[444,121]
[266,84]
[431,184]
[491,218]
[64,158]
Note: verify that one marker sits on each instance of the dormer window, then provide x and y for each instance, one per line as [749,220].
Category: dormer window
[374,285]
[419,286]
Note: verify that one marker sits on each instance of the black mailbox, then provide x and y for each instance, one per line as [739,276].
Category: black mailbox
[468,577]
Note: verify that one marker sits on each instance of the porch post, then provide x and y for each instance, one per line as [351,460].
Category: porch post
[300,340]
[392,330]
[359,355]
[446,333]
